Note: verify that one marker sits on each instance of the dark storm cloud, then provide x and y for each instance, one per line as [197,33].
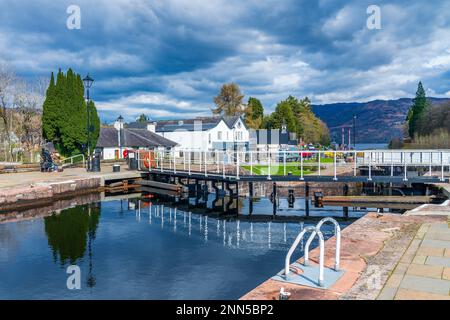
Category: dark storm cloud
[169,58]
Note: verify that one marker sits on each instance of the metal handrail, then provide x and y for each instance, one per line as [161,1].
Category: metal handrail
[214,161]
[337,231]
[296,243]
[71,160]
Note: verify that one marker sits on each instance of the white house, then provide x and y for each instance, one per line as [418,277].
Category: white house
[206,133]
[112,142]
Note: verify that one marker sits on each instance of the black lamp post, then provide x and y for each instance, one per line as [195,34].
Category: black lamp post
[354,132]
[88,84]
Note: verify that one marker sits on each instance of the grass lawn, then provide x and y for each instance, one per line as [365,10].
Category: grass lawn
[277,169]
[322,160]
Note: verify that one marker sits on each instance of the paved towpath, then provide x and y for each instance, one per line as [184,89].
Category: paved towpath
[24,179]
[423,272]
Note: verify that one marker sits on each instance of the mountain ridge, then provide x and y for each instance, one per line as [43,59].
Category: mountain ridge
[378,121]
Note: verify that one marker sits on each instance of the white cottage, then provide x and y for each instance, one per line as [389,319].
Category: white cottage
[113,142]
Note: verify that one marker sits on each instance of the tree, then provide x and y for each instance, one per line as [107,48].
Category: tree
[229,101]
[67,232]
[50,112]
[142,118]
[7,79]
[283,115]
[420,105]
[65,115]
[254,113]
[28,99]
[299,118]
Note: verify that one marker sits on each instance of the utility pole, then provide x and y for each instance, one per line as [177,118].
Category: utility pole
[354,131]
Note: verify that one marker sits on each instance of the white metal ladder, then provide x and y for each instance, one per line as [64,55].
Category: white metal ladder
[337,232]
[315,231]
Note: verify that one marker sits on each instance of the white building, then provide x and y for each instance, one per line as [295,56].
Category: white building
[208,133]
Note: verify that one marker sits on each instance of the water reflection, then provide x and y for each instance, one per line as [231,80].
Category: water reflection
[144,248]
[69,232]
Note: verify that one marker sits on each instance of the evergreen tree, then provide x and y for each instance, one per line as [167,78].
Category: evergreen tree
[299,118]
[283,114]
[420,104]
[142,118]
[65,113]
[254,113]
[49,112]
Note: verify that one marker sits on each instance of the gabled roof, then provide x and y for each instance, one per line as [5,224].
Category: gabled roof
[109,138]
[188,124]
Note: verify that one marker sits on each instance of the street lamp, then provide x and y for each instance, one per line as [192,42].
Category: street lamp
[120,123]
[88,81]
[354,131]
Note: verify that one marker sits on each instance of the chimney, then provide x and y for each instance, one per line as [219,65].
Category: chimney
[118,124]
[151,127]
[119,127]
[283,127]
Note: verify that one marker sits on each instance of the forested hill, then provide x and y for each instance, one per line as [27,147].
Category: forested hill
[377,121]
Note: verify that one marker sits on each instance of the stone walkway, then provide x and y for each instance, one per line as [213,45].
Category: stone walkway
[423,273]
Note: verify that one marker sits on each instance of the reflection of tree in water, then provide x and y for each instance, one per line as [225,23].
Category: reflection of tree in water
[69,233]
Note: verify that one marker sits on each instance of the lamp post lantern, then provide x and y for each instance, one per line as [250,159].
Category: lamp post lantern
[88,81]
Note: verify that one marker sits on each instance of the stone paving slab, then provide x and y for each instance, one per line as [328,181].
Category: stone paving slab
[436,243]
[421,270]
[404,294]
[438,261]
[426,284]
[430,251]
[427,275]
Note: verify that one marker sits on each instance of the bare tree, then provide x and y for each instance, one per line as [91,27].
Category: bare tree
[28,100]
[7,79]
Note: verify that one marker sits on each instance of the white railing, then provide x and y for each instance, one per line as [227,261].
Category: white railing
[298,163]
[71,159]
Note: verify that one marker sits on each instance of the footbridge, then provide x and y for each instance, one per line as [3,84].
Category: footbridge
[378,166]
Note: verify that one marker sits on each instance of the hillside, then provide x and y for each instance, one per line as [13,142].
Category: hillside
[377,121]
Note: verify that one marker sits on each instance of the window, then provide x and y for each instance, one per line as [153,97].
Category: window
[209,138]
[219,135]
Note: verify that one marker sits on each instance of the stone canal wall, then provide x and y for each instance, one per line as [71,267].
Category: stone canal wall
[49,209]
[43,192]
[376,242]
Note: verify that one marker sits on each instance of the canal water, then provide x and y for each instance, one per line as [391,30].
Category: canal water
[143,248]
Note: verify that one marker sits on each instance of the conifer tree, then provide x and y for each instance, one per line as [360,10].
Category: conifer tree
[49,112]
[420,104]
[64,120]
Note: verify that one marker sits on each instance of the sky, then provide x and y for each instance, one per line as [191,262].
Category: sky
[169,58]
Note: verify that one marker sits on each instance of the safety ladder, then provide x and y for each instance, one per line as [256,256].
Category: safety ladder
[315,232]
